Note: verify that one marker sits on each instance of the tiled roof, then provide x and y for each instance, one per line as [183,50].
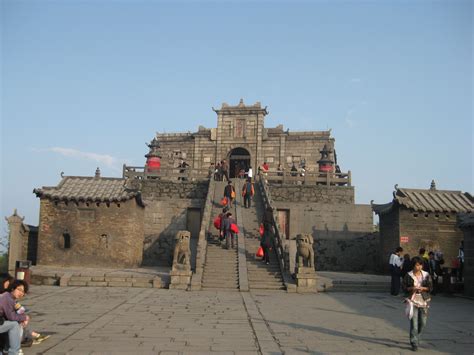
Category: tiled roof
[430,200]
[75,188]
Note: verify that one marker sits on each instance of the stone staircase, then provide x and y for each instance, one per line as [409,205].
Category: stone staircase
[260,275]
[221,265]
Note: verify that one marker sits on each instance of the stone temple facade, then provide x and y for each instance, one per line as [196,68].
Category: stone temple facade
[241,137]
[131,221]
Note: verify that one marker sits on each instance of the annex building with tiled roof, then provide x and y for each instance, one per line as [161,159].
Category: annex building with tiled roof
[93,221]
[423,218]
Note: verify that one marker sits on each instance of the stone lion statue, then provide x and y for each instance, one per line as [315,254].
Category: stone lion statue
[304,250]
[182,252]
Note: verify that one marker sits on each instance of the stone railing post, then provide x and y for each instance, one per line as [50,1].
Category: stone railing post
[196,279]
[15,235]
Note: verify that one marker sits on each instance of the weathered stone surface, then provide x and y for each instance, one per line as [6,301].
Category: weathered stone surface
[107,235]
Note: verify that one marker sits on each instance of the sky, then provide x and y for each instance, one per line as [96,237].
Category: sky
[85,84]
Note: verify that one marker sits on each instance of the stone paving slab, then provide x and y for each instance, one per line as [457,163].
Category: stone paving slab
[98,320]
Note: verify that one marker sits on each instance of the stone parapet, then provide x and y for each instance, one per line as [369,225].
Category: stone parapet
[304,193]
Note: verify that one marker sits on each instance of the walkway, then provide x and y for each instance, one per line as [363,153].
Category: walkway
[155,321]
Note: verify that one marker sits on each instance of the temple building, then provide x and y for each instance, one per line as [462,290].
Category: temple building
[131,221]
[243,140]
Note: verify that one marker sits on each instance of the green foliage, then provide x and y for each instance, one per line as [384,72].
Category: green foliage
[4,262]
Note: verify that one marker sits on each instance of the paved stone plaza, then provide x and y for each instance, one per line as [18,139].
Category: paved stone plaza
[87,320]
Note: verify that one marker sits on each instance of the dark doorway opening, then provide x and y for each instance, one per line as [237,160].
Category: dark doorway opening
[239,158]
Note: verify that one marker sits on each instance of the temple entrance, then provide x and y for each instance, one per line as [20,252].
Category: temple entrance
[239,158]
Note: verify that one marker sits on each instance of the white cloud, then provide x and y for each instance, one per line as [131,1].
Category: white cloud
[350,122]
[356,80]
[101,159]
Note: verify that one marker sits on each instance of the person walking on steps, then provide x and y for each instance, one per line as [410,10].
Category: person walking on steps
[266,240]
[247,193]
[228,233]
[229,193]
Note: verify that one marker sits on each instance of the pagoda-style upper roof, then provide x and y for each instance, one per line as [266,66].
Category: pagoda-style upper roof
[429,200]
[87,189]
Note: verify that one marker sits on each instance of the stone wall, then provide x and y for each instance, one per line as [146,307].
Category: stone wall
[311,193]
[167,204]
[356,254]
[107,235]
[389,237]
[342,233]
[431,230]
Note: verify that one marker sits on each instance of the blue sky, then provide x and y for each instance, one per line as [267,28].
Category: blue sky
[87,83]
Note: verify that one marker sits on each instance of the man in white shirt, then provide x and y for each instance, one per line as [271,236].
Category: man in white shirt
[250,172]
[395,265]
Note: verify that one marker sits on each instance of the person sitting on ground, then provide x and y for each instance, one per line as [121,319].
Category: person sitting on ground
[8,300]
[29,336]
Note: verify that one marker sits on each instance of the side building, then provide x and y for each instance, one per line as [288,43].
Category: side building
[90,221]
[418,218]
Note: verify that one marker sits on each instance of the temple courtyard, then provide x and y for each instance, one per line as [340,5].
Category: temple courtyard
[119,320]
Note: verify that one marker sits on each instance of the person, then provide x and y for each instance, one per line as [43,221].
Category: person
[211,171]
[217,172]
[279,170]
[294,171]
[249,173]
[225,170]
[424,255]
[265,243]
[265,168]
[6,280]
[418,284]
[229,192]
[13,322]
[247,193]
[406,266]
[228,233]
[395,265]
[461,261]
[433,270]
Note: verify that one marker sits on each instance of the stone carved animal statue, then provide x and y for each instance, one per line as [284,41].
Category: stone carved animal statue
[304,250]
[182,252]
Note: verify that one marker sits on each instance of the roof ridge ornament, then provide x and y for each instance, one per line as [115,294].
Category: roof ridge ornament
[433,185]
[97,173]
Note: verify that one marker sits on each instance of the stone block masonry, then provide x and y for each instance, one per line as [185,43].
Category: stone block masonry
[167,204]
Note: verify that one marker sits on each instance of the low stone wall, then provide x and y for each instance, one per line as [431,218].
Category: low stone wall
[359,254]
[158,189]
[307,193]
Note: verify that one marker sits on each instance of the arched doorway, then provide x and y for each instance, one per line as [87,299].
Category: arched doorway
[239,158]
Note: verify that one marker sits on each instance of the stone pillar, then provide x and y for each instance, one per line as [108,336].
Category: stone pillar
[305,279]
[15,226]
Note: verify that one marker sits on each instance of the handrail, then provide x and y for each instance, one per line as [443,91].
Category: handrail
[308,178]
[181,174]
[196,279]
[278,240]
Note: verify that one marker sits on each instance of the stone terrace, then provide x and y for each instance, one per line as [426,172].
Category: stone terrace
[100,320]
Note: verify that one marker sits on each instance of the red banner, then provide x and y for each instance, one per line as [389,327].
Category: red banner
[404,239]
